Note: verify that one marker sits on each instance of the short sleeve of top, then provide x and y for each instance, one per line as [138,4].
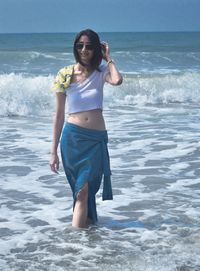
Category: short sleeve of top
[87,95]
[104,69]
[62,79]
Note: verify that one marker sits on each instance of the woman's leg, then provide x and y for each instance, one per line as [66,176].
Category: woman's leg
[81,208]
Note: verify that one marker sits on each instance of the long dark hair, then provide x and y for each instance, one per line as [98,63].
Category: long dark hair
[95,41]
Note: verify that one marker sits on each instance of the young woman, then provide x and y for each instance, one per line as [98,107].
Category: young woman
[84,137]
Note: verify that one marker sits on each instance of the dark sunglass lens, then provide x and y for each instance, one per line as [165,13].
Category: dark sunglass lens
[89,47]
[79,46]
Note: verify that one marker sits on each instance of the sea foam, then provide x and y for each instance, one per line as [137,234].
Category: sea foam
[25,95]
[21,95]
[159,88]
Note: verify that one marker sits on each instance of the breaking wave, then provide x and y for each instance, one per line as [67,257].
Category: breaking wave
[24,95]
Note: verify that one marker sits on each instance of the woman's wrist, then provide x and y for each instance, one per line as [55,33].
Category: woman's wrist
[107,58]
[109,61]
[53,152]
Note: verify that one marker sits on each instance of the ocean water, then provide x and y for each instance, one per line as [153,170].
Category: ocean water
[153,119]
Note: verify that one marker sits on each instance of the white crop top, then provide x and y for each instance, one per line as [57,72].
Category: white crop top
[87,95]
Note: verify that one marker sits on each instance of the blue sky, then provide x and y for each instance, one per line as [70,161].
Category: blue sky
[101,15]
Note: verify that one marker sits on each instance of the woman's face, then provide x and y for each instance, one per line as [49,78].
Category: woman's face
[85,50]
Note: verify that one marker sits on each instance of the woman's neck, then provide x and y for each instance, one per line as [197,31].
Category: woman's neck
[84,69]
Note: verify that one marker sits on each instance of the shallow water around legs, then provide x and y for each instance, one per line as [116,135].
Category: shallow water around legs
[152,223]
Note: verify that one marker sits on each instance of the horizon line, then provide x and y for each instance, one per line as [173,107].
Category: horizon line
[73,32]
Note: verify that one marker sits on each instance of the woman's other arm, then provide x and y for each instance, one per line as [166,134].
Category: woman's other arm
[57,129]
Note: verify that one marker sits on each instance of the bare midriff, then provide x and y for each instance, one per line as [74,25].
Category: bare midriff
[92,119]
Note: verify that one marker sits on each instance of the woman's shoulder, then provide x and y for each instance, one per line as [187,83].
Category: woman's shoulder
[66,69]
[104,70]
[63,79]
[102,67]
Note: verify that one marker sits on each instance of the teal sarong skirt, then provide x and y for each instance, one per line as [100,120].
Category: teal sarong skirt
[86,160]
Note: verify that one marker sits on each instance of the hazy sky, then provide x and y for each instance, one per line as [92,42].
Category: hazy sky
[101,15]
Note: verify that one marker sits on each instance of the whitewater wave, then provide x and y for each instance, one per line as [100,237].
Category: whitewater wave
[23,95]
[159,88]
[34,55]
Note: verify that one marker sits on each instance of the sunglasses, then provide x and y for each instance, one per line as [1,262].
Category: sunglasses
[79,46]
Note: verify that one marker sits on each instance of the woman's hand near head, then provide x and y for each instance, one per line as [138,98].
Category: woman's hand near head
[105,51]
[113,77]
